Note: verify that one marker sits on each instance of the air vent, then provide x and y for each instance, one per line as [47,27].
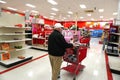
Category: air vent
[89,11]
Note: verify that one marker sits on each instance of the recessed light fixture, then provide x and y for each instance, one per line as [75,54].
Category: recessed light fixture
[70,12]
[82,6]
[12,8]
[115,13]
[52,2]
[81,17]
[101,16]
[34,11]
[64,18]
[101,10]
[54,9]
[30,5]
[1,1]
[53,13]
[88,14]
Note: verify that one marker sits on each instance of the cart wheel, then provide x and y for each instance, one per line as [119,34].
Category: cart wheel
[74,78]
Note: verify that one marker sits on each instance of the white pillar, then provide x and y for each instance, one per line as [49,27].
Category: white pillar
[118,16]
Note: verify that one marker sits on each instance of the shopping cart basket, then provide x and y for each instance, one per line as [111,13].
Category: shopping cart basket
[85,40]
[74,56]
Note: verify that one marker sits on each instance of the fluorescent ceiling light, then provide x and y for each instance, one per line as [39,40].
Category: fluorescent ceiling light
[34,11]
[101,10]
[115,13]
[64,18]
[81,17]
[88,14]
[101,16]
[54,9]
[30,5]
[52,2]
[2,2]
[12,8]
[53,13]
[82,6]
[70,12]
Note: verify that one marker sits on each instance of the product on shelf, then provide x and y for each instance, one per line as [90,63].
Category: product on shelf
[18,47]
[18,32]
[35,36]
[17,39]
[5,56]
[18,25]
[5,46]
[21,57]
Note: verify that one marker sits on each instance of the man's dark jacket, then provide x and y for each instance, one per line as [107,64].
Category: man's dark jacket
[57,44]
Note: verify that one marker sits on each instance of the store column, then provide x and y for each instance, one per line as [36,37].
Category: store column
[118,17]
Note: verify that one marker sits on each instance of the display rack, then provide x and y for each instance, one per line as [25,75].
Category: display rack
[113,44]
[113,48]
[41,42]
[28,33]
[15,37]
[40,36]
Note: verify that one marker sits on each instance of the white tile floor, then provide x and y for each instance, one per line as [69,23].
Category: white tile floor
[40,69]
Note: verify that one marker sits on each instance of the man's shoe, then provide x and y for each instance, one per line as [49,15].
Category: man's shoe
[58,77]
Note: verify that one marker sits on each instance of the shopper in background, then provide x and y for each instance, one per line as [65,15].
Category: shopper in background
[88,35]
[105,38]
[56,49]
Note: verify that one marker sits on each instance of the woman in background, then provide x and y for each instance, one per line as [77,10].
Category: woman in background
[104,38]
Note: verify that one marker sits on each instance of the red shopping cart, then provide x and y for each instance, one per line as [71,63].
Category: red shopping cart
[85,40]
[74,57]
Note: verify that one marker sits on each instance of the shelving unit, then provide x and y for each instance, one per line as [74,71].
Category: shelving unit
[28,33]
[113,49]
[44,44]
[14,36]
[113,44]
[40,36]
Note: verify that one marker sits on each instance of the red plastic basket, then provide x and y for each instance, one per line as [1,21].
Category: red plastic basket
[80,55]
[83,53]
[84,40]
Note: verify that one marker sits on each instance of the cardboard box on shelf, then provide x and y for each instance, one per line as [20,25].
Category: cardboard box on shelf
[5,56]
[5,46]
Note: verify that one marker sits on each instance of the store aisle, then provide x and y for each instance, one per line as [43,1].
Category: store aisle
[39,69]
